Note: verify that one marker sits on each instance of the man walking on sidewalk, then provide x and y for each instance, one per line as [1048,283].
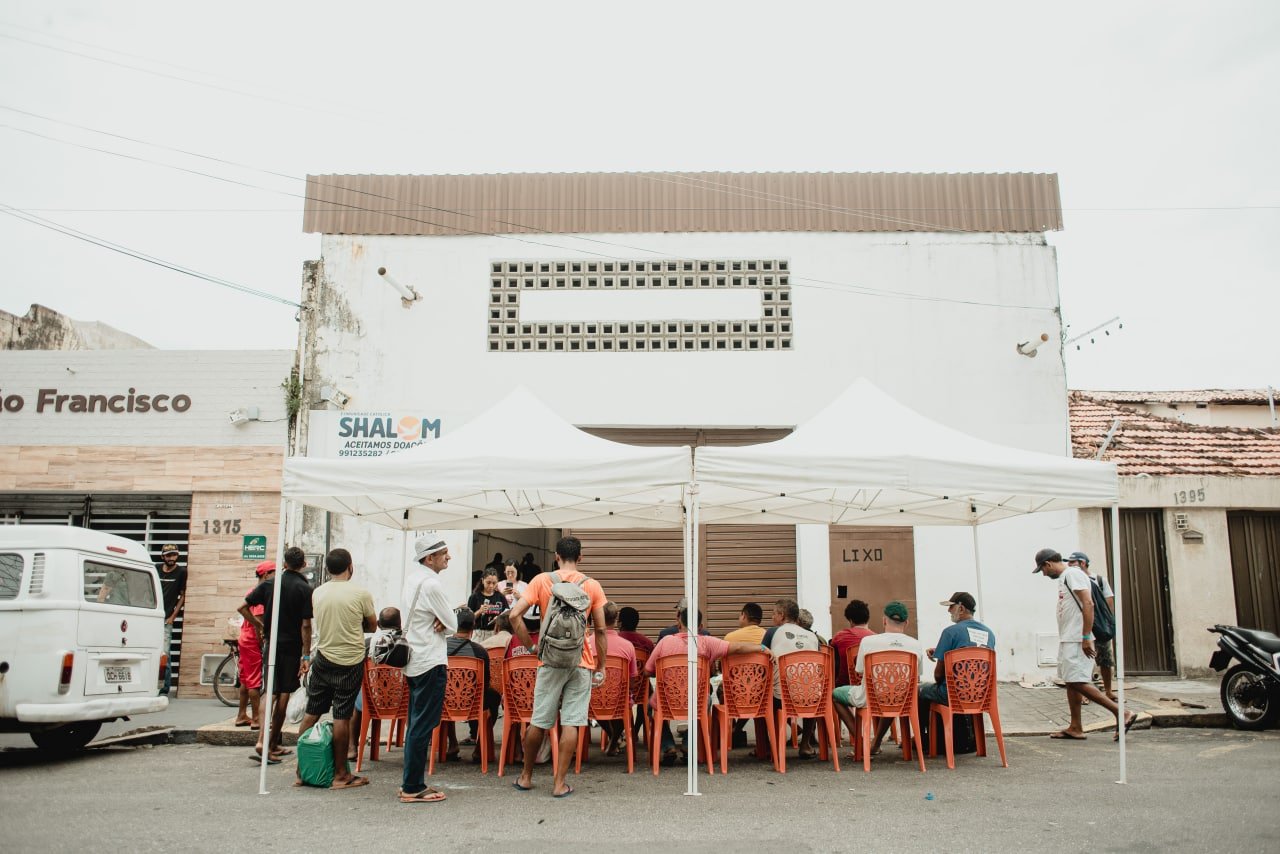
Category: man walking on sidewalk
[1075,642]
[428,620]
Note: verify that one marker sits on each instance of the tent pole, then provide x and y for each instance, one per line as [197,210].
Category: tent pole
[691,596]
[1116,578]
[977,568]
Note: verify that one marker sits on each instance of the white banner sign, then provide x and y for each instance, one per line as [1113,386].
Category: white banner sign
[334,434]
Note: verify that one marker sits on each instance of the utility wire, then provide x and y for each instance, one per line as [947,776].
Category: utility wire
[19,213]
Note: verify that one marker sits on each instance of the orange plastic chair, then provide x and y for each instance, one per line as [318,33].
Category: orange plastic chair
[891,678]
[519,675]
[496,656]
[971,690]
[610,701]
[672,703]
[386,698]
[640,697]
[463,701]
[748,695]
[806,678]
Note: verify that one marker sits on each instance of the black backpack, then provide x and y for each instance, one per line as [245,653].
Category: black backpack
[1104,621]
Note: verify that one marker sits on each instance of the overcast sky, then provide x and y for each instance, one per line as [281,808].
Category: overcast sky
[1161,119]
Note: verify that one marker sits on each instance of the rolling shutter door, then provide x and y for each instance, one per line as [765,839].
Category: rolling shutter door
[640,569]
[741,564]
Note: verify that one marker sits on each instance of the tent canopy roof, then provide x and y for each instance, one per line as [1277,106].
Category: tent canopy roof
[494,472]
[867,459]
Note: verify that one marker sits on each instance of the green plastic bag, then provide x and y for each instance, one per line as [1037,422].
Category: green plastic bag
[315,756]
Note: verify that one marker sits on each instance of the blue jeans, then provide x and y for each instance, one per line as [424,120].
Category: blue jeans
[167,651]
[426,700]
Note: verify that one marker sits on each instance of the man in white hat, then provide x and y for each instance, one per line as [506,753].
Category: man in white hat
[428,620]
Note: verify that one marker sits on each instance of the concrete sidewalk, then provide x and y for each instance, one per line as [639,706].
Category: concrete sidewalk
[1041,709]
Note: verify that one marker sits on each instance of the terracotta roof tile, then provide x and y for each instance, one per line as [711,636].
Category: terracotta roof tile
[1148,444]
[1203,395]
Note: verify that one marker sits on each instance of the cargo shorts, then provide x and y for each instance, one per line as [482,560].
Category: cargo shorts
[563,691]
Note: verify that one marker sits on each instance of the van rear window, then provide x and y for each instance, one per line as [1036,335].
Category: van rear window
[118,585]
[10,575]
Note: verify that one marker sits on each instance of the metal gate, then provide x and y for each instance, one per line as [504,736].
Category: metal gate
[1255,568]
[1148,624]
[150,519]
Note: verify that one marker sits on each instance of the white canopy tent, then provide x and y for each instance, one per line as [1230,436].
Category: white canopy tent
[868,460]
[865,459]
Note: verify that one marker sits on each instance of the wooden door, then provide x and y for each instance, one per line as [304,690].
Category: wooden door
[1148,624]
[876,565]
[1255,568]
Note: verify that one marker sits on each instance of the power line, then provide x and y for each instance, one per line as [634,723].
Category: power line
[19,213]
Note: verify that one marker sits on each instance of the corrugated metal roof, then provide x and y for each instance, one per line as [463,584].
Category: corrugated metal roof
[1148,444]
[648,202]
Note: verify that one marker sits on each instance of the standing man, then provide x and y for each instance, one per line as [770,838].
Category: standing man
[344,612]
[250,645]
[428,620]
[561,690]
[529,569]
[1106,662]
[293,641]
[1075,642]
[173,587]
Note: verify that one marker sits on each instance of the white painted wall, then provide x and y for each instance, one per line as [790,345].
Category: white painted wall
[216,381]
[949,353]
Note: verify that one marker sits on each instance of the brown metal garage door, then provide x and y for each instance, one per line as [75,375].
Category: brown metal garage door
[1255,567]
[739,564]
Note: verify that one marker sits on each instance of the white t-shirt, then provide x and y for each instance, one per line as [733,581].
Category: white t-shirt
[1101,581]
[426,645]
[1070,614]
[880,643]
[788,637]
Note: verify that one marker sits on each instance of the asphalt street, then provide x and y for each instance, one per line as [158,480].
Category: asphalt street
[1189,789]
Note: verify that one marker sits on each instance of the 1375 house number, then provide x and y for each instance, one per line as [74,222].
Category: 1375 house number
[222,526]
[1189,496]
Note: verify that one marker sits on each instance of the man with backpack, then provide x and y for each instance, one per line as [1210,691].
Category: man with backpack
[568,602]
[1104,620]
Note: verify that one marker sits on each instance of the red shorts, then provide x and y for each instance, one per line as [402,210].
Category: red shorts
[250,664]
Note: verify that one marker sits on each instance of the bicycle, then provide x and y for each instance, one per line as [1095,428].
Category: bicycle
[226,679]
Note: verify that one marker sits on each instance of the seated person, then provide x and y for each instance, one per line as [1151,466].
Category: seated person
[858,613]
[683,604]
[621,647]
[964,631]
[532,624]
[784,636]
[388,623]
[501,633]
[711,648]
[628,622]
[893,636]
[463,646]
[749,631]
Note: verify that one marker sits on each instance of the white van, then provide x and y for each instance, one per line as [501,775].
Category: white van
[81,631]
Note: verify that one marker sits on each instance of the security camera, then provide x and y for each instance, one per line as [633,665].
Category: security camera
[333,395]
[243,414]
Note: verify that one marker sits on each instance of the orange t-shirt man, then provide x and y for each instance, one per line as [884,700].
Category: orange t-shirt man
[539,593]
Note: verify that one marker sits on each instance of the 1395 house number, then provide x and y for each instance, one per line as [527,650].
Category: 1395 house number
[1189,496]
[222,526]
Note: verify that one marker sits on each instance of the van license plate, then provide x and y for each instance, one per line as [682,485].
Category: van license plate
[114,675]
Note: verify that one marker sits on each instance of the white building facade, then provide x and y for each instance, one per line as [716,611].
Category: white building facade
[647,313]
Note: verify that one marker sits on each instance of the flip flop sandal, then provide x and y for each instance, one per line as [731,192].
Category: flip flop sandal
[257,757]
[1063,735]
[517,785]
[244,723]
[566,793]
[1128,725]
[351,784]
[426,796]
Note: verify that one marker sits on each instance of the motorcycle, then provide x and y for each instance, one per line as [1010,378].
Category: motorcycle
[1251,689]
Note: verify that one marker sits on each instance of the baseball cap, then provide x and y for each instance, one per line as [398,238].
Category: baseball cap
[1080,556]
[683,604]
[427,546]
[1046,556]
[961,598]
[168,548]
[896,611]
[265,567]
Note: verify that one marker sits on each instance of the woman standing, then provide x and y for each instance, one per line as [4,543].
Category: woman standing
[487,603]
[513,587]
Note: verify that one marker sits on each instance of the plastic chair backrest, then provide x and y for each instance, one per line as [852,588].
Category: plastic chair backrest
[806,679]
[520,674]
[891,678]
[851,663]
[612,699]
[970,673]
[673,685]
[748,684]
[463,689]
[640,691]
[496,656]
[386,691]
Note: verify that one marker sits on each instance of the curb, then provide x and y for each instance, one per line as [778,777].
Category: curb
[225,735]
